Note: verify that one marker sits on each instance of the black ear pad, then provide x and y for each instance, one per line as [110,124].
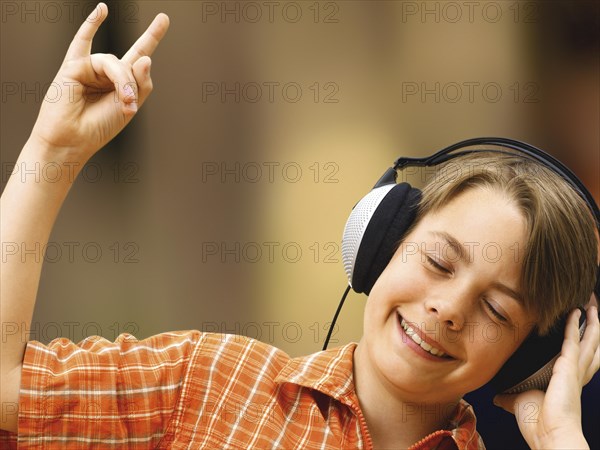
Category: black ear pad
[387,225]
[530,367]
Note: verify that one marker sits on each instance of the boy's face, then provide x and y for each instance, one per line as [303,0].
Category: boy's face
[461,304]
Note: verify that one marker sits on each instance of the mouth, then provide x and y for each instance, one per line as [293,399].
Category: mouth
[429,349]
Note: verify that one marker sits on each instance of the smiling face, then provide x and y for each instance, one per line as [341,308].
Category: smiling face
[451,287]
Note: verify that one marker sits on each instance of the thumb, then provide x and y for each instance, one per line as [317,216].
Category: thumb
[506,402]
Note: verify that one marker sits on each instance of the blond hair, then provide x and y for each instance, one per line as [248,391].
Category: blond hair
[561,252]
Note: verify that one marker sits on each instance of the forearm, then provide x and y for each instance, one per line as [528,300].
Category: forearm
[29,206]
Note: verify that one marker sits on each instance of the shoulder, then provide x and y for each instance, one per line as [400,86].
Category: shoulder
[234,354]
[227,359]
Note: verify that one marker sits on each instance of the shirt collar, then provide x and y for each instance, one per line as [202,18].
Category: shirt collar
[328,371]
[331,372]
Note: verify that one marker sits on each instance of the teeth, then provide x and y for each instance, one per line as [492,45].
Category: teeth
[424,345]
[415,337]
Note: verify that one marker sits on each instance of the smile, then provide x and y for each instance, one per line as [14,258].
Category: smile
[410,332]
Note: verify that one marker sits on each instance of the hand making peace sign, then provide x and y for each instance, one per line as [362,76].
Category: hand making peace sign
[98,93]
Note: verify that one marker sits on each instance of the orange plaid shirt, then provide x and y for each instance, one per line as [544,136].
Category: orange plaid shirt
[197,390]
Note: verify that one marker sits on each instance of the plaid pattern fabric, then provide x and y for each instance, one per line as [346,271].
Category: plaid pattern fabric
[194,390]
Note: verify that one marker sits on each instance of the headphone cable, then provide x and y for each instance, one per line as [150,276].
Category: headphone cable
[337,313]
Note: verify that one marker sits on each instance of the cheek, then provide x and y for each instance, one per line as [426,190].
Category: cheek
[404,272]
[493,347]
[403,280]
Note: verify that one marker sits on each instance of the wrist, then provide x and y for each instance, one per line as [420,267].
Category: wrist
[48,151]
[573,440]
[45,163]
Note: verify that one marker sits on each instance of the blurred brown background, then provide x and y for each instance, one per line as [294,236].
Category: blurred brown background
[222,205]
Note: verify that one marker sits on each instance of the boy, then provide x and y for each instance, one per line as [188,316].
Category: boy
[398,387]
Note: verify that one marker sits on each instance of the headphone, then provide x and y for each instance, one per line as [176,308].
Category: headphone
[381,219]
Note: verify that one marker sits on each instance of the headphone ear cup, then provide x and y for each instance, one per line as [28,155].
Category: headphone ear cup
[375,226]
[530,367]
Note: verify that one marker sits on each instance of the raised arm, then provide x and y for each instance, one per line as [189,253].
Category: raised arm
[100,95]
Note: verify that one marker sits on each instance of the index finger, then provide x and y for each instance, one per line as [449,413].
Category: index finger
[148,41]
[81,45]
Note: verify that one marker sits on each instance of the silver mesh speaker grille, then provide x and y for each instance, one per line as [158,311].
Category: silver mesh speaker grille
[357,224]
[540,379]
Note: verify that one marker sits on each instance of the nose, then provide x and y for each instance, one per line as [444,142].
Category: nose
[449,311]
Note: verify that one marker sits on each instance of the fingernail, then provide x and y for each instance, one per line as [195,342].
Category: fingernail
[133,106]
[129,91]
[148,68]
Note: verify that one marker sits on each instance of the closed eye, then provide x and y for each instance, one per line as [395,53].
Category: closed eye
[433,263]
[495,313]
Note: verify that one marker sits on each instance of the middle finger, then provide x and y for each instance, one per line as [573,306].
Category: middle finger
[109,66]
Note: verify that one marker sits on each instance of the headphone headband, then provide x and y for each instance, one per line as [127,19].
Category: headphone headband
[534,153]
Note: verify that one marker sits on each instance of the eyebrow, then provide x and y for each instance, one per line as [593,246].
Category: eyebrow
[463,255]
[508,291]
[455,245]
